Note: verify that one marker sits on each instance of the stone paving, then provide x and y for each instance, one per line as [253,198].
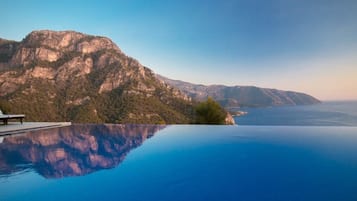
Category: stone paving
[17,127]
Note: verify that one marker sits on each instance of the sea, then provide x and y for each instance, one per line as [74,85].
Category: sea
[328,113]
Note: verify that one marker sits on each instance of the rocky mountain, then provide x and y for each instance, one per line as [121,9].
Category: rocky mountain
[72,151]
[71,76]
[244,96]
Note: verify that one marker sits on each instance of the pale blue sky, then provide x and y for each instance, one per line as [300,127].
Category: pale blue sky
[303,45]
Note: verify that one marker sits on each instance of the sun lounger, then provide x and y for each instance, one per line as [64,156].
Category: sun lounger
[5,117]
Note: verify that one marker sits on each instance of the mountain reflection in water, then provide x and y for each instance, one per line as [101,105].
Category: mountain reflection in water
[72,151]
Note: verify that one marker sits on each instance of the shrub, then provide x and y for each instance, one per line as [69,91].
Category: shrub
[210,112]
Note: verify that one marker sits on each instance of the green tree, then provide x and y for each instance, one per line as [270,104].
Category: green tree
[210,112]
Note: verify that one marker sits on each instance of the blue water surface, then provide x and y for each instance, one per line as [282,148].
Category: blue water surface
[337,113]
[143,162]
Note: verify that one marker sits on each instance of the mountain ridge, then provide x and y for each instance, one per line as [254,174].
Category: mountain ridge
[241,96]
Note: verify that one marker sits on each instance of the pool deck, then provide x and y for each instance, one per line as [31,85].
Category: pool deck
[16,127]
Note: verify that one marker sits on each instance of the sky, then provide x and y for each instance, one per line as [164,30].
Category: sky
[301,45]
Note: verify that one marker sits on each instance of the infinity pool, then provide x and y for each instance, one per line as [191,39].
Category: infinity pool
[148,162]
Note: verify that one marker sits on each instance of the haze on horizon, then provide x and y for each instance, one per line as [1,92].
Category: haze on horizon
[300,45]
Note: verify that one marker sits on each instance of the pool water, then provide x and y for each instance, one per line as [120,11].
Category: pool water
[181,162]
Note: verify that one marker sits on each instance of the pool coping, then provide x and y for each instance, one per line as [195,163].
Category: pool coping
[17,128]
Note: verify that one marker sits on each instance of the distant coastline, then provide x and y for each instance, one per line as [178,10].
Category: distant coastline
[238,113]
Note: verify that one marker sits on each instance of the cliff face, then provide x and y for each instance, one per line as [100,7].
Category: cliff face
[70,76]
[72,151]
[246,96]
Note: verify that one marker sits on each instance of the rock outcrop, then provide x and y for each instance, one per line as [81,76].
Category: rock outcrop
[229,120]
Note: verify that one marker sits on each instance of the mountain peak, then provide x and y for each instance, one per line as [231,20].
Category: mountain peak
[69,40]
